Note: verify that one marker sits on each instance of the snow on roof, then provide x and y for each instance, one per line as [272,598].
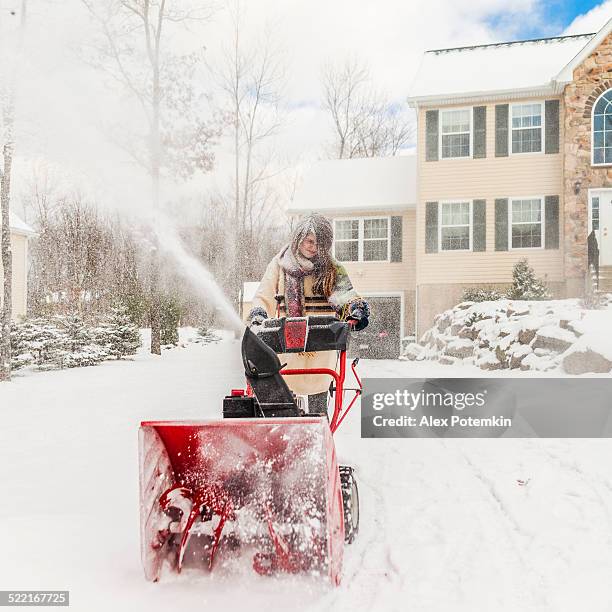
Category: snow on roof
[248,290]
[18,226]
[370,183]
[521,65]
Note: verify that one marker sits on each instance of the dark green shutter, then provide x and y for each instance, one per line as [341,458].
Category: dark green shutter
[480,131]
[551,126]
[431,227]
[501,130]
[431,135]
[551,225]
[479,225]
[501,224]
[396,238]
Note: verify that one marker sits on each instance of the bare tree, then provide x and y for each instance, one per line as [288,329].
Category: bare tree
[133,50]
[82,260]
[7,141]
[365,123]
[252,77]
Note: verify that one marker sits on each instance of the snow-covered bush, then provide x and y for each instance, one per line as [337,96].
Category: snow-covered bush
[118,334]
[69,341]
[80,347]
[39,342]
[525,284]
[481,294]
[207,336]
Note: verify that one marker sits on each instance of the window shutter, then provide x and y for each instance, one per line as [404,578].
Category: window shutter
[501,130]
[431,135]
[396,238]
[479,225]
[431,227]
[480,131]
[551,226]
[551,126]
[501,224]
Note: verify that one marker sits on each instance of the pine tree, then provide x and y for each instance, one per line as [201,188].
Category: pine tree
[119,335]
[21,355]
[82,349]
[45,340]
[170,318]
[525,284]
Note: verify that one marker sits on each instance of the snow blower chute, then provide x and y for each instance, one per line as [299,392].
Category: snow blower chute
[264,480]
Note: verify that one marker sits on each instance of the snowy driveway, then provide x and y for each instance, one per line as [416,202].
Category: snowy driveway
[445,524]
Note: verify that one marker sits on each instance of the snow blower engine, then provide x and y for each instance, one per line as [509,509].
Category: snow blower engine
[264,480]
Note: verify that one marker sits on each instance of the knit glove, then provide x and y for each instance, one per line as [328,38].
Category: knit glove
[257,316]
[359,311]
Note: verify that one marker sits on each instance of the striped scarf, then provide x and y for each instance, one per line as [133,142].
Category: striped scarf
[296,267]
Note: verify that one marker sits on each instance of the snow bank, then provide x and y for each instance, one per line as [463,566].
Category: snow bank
[512,334]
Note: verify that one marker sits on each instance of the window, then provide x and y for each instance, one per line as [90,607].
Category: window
[602,129]
[363,239]
[526,123]
[455,226]
[455,129]
[347,240]
[595,213]
[526,223]
[375,239]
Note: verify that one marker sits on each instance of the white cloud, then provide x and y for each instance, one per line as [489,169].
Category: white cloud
[592,21]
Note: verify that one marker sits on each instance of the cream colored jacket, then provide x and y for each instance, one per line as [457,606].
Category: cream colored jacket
[272,284]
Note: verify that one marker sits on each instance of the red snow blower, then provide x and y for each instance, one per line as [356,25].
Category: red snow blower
[265,479]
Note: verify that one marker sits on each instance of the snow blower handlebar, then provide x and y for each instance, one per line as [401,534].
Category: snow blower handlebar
[304,334]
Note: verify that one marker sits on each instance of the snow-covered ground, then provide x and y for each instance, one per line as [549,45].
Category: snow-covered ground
[445,524]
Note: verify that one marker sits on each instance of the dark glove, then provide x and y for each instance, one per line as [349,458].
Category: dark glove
[359,311]
[257,316]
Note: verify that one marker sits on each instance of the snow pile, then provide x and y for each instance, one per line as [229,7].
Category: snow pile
[517,334]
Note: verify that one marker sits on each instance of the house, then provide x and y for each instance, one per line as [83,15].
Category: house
[513,160]
[514,153]
[372,204]
[21,232]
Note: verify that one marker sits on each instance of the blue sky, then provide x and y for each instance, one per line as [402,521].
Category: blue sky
[566,10]
[553,16]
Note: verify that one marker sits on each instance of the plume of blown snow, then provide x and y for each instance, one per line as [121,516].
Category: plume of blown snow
[193,270]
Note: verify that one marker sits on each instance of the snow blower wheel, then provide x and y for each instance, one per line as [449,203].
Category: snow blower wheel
[350,503]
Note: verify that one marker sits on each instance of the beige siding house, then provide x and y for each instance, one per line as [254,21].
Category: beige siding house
[513,160]
[20,234]
[507,165]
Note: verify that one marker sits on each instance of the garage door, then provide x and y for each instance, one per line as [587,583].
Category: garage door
[381,338]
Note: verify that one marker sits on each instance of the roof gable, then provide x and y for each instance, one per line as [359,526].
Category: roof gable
[566,74]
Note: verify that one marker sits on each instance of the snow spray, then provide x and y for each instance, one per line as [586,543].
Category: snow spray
[193,270]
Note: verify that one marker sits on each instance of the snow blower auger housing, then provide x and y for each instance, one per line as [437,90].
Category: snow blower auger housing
[264,480]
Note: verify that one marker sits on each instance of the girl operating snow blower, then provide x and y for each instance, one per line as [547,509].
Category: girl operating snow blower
[265,478]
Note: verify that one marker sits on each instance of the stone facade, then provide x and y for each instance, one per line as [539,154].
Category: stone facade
[590,79]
